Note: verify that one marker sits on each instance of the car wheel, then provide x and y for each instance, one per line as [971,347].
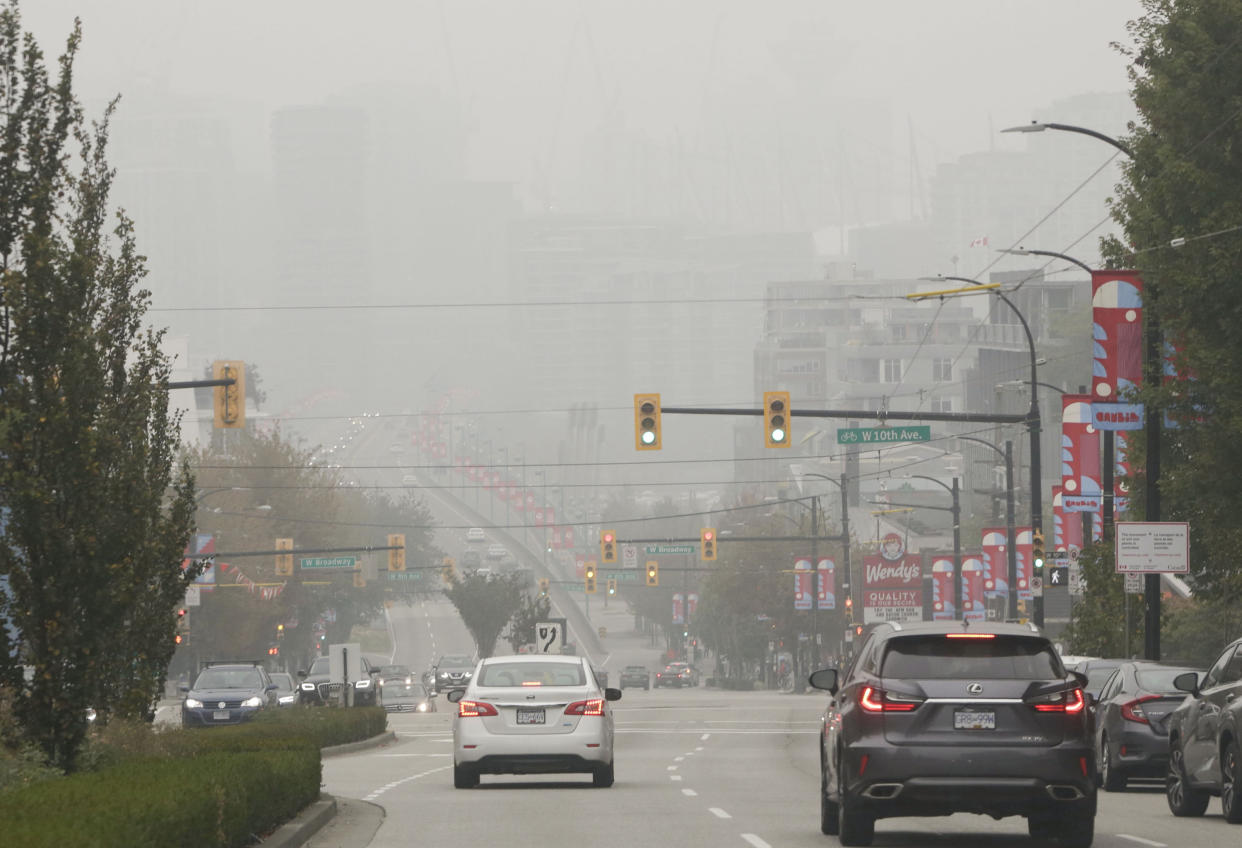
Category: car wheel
[603,776]
[464,777]
[1077,830]
[829,823]
[1230,797]
[1184,800]
[1110,778]
[854,826]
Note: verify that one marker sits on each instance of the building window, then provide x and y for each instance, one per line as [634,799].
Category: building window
[942,405]
[892,370]
[898,332]
[942,370]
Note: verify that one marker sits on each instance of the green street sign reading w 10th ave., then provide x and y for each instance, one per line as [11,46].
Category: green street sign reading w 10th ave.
[329,562]
[883,435]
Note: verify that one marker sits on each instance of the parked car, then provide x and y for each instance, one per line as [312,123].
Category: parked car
[227,693]
[453,671]
[403,695]
[635,675]
[1203,739]
[1131,728]
[286,688]
[951,717]
[533,714]
[315,687]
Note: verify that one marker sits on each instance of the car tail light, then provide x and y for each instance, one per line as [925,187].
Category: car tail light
[474,709]
[1069,701]
[1133,710]
[593,707]
[970,635]
[878,701]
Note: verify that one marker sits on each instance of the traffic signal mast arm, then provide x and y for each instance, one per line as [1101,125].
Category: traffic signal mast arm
[887,415]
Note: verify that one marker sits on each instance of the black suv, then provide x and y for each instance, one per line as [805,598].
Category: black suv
[226,693]
[939,718]
[453,671]
[635,675]
[315,688]
[1205,757]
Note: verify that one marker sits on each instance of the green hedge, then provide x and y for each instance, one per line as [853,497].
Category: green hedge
[203,787]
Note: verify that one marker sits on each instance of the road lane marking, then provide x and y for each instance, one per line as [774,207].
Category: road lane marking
[705,736]
[719,813]
[674,777]
[700,748]
[396,783]
[678,759]
[672,768]
[755,840]
[689,793]
[1142,841]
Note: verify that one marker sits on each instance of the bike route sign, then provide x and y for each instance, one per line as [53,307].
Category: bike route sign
[883,435]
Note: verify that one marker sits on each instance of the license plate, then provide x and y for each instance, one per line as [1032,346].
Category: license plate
[220,715]
[974,720]
[525,716]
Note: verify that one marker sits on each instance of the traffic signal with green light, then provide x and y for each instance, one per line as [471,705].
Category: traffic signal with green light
[707,544]
[608,546]
[544,584]
[776,419]
[612,586]
[647,422]
[653,573]
[1037,549]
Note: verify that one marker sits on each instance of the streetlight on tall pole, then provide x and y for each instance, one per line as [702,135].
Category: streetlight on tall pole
[956,511]
[1011,542]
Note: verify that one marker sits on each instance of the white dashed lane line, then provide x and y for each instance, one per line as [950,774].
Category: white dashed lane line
[396,783]
[755,840]
[689,793]
[719,813]
[674,777]
[705,736]
[1142,841]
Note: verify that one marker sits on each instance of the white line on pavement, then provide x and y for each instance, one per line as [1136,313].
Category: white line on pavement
[678,759]
[396,783]
[674,777]
[1141,840]
[755,840]
[705,736]
[689,793]
[672,768]
[719,813]
[700,748]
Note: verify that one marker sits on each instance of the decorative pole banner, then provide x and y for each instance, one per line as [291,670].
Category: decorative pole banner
[1080,456]
[826,590]
[1117,319]
[678,617]
[1025,542]
[973,607]
[802,583]
[1066,527]
[942,589]
[995,562]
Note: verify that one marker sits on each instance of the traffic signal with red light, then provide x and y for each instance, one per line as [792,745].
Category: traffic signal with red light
[608,546]
[707,544]
[849,609]
[653,573]
[647,422]
[858,629]
[182,632]
[776,419]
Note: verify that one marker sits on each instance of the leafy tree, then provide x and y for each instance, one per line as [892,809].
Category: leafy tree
[1097,623]
[530,611]
[486,603]
[1185,181]
[96,513]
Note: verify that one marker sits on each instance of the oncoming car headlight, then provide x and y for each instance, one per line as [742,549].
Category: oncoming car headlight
[256,701]
[308,687]
[422,708]
[193,703]
[363,684]
[287,699]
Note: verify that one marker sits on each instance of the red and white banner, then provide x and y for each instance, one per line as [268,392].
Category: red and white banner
[1117,316]
[678,617]
[1025,561]
[995,562]
[1080,456]
[826,589]
[802,583]
[692,603]
[1066,526]
[944,591]
[973,606]
[892,583]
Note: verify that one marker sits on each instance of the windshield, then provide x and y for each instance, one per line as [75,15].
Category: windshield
[1160,679]
[229,678]
[532,674]
[320,666]
[282,680]
[456,661]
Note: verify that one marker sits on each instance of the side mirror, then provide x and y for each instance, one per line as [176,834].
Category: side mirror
[612,694]
[825,678]
[183,688]
[301,672]
[454,695]
[1187,681]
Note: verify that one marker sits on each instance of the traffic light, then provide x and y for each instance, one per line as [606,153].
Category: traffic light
[396,556]
[273,651]
[544,584]
[449,573]
[1037,549]
[284,562]
[776,419]
[647,422]
[858,629]
[608,546]
[707,544]
[360,580]
[182,634]
[849,609]
[612,586]
[653,573]
[589,586]
[229,402]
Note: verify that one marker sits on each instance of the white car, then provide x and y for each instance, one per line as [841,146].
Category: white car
[475,534]
[533,714]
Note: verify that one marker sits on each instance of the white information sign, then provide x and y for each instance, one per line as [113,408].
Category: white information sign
[1162,547]
[550,636]
[629,556]
[1134,584]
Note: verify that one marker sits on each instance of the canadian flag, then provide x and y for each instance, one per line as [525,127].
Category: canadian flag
[982,241]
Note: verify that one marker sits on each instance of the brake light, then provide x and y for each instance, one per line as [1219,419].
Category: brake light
[970,635]
[1133,710]
[474,709]
[593,707]
[1071,702]
[878,701]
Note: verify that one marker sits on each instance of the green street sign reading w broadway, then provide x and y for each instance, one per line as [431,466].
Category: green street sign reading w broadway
[656,550]
[883,435]
[329,562]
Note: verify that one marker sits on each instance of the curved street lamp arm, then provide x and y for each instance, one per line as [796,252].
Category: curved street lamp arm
[1040,126]
[1024,251]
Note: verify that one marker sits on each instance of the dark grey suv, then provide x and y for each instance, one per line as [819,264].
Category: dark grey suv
[939,718]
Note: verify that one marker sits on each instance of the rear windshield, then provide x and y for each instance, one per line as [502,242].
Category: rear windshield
[1001,658]
[1160,679]
[532,674]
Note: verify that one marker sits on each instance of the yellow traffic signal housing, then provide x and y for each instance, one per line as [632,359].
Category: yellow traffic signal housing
[360,581]
[647,422]
[544,584]
[396,556]
[608,546]
[229,402]
[776,419]
[1037,549]
[612,586]
[449,573]
[707,543]
[284,562]
[589,584]
[653,573]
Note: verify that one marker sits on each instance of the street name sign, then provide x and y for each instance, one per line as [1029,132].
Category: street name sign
[350,562]
[1159,547]
[656,550]
[883,435]
[623,576]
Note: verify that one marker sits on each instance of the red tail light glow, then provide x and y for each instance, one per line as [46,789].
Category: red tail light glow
[878,701]
[970,635]
[1133,710]
[474,709]
[1061,702]
[593,707]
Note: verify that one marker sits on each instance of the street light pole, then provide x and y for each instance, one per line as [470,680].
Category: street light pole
[956,511]
[1010,530]
[847,582]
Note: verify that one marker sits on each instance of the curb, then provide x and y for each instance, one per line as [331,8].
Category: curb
[349,747]
[304,825]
